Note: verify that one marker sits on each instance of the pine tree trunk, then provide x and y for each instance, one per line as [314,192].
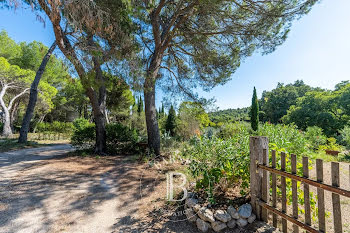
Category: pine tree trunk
[14,114]
[7,131]
[98,108]
[23,137]
[150,107]
[98,103]
[101,146]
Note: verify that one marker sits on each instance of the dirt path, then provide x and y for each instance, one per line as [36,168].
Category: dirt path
[43,190]
[46,190]
[344,176]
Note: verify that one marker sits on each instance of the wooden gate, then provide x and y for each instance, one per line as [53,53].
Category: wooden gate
[262,203]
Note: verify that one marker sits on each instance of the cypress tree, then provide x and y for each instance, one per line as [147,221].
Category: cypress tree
[163,112]
[170,124]
[254,112]
[140,106]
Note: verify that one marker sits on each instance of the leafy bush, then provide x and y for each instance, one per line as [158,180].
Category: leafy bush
[216,162]
[81,123]
[345,136]
[225,160]
[285,138]
[331,145]
[119,137]
[315,137]
[84,136]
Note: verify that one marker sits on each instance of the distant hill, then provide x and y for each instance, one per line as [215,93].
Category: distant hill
[230,115]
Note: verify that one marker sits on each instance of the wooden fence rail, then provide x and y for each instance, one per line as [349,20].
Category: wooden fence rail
[260,171]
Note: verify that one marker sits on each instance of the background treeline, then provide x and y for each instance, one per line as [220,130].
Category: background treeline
[300,104]
[230,115]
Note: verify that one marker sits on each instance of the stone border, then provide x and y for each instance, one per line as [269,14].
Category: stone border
[218,220]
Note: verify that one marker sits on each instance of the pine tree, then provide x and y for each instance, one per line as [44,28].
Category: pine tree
[171,122]
[254,112]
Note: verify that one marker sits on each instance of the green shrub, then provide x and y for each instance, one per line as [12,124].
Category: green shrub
[345,136]
[226,159]
[331,145]
[315,137]
[119,138]
[84,137]
[285,138]
[215,162]
[81,123]
[223,161]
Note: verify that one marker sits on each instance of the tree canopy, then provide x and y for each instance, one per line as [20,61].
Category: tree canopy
[275,103]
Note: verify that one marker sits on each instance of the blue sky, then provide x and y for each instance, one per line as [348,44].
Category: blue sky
[317,51]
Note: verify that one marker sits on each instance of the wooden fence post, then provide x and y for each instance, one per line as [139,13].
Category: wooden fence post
[259,148]
[274,188]
[320,197]
[338,228]
[284,193]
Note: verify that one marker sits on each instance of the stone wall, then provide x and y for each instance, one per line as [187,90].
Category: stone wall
[218,220]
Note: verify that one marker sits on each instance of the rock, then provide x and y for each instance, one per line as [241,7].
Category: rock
[196,207]
[233,212]
[245,211]
[242,222]
[191,195]
[222,216]
[232,223]
[251,218]
[190,202]
[191,215]
[203,226]
[206,214]
[218,226]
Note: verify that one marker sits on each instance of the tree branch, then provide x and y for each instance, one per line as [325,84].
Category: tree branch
[16,97]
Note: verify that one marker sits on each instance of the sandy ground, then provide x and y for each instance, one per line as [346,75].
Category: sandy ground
[46,190]
[344,169]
